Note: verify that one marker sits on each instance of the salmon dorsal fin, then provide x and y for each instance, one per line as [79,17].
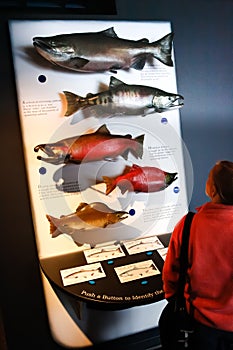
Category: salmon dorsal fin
[109,32]
[136,167]
[115,82]
[144,40]
[81,206]
[103,130]
[127,169]
[89,95]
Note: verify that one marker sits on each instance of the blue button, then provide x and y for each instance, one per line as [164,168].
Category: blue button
[144,282]
[149,253]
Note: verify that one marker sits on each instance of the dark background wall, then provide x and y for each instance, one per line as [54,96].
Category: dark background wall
[203,51]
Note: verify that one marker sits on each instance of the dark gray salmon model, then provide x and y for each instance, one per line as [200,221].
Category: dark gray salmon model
[102,51]
[126,99]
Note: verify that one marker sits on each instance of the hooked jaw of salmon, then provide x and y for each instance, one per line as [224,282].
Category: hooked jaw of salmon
[52,50]
[56,155]
[121,215]
[168,101]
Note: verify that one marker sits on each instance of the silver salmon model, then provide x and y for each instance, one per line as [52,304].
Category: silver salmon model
[122,98]
[102,51]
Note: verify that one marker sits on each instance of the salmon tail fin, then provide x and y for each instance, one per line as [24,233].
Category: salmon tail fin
[139,150]
[110,184]
[54,231]
[164,49]
[74,103]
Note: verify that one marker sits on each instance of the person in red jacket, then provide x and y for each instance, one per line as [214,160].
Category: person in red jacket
[209,286]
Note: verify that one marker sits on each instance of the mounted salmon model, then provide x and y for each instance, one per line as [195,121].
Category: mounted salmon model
[86,217]
[99,145]
[126,99]
[102,51]
[140,179]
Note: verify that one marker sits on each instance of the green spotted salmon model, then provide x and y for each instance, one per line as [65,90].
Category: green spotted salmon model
[126,99]
[102,51]
[99,145]
[86,217]
[140,179]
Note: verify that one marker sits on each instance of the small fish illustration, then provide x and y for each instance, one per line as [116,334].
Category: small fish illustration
[102,51]
[122,98]
[99,145]
[109,252]
[141,243]
[140,179]
[140,271]
[84,273]
[86,217]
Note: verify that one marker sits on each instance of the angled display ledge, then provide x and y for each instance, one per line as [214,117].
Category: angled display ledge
[118,282]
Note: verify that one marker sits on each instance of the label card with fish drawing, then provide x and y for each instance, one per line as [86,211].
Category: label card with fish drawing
[143,245]
[163,252]
[136,271]
[83,273]
[103,253]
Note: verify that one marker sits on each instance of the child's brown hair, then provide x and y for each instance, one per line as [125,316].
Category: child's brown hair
[223,180]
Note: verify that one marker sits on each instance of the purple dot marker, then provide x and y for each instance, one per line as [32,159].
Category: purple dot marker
[42,170]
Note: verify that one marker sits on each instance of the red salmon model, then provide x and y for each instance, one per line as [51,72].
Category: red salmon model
[100,145]
[140,179]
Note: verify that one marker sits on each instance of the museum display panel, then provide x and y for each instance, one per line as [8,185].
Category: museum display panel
[99,115]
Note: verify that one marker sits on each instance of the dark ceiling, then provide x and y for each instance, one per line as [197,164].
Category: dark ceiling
[63,6]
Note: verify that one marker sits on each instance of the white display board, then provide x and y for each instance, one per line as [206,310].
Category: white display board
[58,189]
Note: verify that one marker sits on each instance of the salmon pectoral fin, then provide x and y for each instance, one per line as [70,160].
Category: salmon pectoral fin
[139,63]
[125,185]
[78,62]
[110,184]
[126,154]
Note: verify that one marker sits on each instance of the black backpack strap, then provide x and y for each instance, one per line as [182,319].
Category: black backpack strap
[184,254]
